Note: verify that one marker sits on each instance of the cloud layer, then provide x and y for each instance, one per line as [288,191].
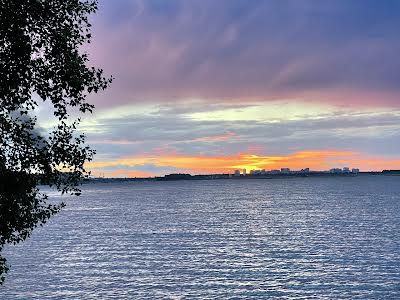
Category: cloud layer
[326,51]
[207,86]
[151,134]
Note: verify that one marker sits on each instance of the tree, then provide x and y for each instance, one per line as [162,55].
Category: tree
[41,60]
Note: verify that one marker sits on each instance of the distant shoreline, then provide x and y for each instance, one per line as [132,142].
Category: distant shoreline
[178,177]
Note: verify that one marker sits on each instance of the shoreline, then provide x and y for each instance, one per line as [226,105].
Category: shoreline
[179,177]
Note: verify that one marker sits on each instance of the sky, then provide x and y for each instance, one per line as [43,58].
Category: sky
[205,86]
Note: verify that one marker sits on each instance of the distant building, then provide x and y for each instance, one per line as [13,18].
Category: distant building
[391,172]
[346,170]
[275,171]
[255,172]
[335,171]
[237,173]
[244,172]
[355,171]
[306,170]
[285,170]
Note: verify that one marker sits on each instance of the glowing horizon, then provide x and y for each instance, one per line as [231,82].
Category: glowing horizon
[315,160]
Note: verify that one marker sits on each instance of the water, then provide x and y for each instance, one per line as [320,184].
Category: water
[303,238]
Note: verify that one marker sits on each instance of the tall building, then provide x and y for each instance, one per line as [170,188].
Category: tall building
[285,170]
[244,172]
[237,173]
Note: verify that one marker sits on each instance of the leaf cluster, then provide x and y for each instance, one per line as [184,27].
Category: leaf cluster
[41,60]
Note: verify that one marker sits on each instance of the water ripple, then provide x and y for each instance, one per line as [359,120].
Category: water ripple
[305,238]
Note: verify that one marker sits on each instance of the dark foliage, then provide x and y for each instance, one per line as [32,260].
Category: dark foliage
[40,60]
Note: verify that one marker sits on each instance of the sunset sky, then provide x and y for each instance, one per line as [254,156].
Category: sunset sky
[206,86]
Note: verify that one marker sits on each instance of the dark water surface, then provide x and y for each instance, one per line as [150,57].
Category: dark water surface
[303,238]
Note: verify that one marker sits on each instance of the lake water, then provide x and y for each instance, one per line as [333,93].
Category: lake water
[301,238]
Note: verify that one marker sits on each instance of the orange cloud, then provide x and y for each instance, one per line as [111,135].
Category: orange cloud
[315,160]
[121,173]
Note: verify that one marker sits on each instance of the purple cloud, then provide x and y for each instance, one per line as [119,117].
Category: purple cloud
[337,51]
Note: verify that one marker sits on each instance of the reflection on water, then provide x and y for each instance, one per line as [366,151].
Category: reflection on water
[304,238]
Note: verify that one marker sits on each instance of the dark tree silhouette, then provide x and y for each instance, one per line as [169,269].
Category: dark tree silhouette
[40,60]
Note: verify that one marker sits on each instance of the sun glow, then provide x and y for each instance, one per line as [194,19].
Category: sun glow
[315,160]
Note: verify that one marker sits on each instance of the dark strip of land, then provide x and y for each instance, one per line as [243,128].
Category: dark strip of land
[293,174]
